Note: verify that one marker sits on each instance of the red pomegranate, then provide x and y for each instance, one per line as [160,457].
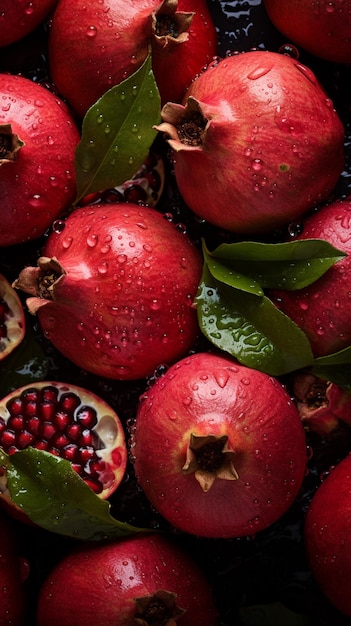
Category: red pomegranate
[322,28]
[67,421]
[322,310]
[12,322]
[218,448]
[144,579]
[108,41]
[327,535]
[38,138]
[261,139]
[14,571]
[114,290]
[18,19]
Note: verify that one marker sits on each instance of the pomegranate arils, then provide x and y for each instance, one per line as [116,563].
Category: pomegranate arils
[87,416]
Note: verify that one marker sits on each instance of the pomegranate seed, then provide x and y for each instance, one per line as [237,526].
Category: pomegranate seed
[54,451]
[86,453]
[69,402]
[95,466]
[32,424]
[77,468]
[12,450]
[86,438]
[30,395]
[60,440]
[15,422]
[70,452]
[41,444]
[30,408]
[73,431]
[49,394]
[87,416]
[47,410]
[47,430]
[15,406]
[7,439]
[61,420]
[24,439]
[95,485]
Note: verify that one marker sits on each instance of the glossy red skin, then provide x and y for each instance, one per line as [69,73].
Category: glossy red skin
[13,573]
[40,184]
[322,310]
[210,394]
[19,18]
[327,536]
[99,59]
[125,304]
[322,28]
[272,149]
[97,584]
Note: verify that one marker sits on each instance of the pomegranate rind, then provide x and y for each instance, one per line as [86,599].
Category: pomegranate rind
[14,320]
[109,429]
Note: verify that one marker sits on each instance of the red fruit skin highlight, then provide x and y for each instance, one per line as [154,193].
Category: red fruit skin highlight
[98,584]
[327,536]
[207,394]
[322,310]
[19,18]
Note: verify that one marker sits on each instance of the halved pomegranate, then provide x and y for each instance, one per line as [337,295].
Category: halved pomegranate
[12,323]
[70,422]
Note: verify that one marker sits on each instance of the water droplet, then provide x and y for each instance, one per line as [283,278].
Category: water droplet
[92,241]
[91,31]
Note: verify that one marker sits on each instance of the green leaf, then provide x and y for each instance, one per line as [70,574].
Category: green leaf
[335,367]
[250,328]
[117,133]
[54,497]
[26,364]
[290,265]
[273,614]
[228,275]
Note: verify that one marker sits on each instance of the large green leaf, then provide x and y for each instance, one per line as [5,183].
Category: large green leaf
[250,328]
[290,265]
[117,133]
[335,367]
[54,497]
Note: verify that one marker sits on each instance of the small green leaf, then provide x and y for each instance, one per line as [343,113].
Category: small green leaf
[290,265]
[117,133]
[335,367]
[24,365]
[250,328]
[54,497]
[228,275]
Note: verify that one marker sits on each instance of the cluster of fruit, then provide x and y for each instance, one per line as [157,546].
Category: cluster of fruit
[175,329]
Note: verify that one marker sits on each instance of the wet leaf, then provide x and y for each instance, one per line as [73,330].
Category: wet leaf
[250,328]
[26,364]
[335,367]
[290,265]
[54,497]
[117,133]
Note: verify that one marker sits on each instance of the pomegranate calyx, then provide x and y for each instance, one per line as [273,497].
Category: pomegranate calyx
[158,609]
[10,144]
[38,281]
[170,27]
[313,404]
[185,126]
[209,457]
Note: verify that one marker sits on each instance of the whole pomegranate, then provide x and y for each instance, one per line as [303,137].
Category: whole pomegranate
[327,535]
[12,321]
[144,579]
[18,19]
[218,448]
[14,571]
[114,290]
[67,421]
[38,138]
[322,310]
[108,41]
[322,28]
[260,138]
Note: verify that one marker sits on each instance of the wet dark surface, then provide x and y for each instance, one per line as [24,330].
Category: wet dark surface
[263,570]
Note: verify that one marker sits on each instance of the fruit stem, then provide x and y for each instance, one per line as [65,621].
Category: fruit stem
[157,609]
[10,144]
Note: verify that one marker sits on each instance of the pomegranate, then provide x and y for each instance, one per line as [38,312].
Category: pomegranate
[261,139]
[322,310]
[327,535]
[38,137]
[14,571]
[144,579]
[70,422]
[218,448]
[114,290]
[322,405]
[18,19]
[322,28]
[12,322]
[108,41]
